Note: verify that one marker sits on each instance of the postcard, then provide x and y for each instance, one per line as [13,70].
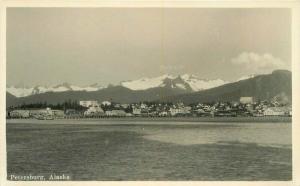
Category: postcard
[160,93]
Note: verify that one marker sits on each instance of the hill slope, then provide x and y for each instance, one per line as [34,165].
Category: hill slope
[115,93]
[11,99]
[263,87]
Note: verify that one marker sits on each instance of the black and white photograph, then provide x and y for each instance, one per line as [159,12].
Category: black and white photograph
[149,94]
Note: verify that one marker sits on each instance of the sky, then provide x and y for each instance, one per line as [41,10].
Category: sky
[83,46]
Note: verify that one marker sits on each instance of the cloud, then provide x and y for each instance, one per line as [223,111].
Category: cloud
[258,64]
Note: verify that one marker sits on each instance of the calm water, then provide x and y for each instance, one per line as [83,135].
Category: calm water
[116,150]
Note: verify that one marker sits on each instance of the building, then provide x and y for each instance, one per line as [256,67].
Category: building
[70,112]
[125,105]
[88,103]
[40,112]
[276,111]
[136,111]
[246,100]
[19,114]
[116,113]
[163,114]
[180,111]
[249,107]
[73,113]
[58,113]
[47,112]
[143,106]
[106,103]
[94,111]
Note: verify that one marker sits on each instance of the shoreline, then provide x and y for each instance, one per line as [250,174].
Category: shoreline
[271,119]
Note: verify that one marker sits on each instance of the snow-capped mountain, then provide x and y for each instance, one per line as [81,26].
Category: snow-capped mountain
[20,91]
[201,84]
[185,81]
[169,89]
[146,83]
[247,77]
[27,91]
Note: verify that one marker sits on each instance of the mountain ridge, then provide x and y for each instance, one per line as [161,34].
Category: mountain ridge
[262,87]
[185,81]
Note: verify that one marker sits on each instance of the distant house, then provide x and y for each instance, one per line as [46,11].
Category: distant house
[249,107]
[19,114]
[58,113]
[136,111]
[202,112]
[117,105]
[116,113]
[125,106]
[163,114]
[73,113]
[70,112]
[94,111]
[106,103]
[246,100]
[88,103]
[175,111]
[46,112]
[276,111]
[40,112]
[180,111]
[144,106]
[234,103]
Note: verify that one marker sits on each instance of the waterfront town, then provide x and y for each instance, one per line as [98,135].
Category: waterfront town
[245,107]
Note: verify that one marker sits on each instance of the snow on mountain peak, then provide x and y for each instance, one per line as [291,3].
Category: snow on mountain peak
[188,76]
[27,91]
[185,81]
[247,77]
[146,83]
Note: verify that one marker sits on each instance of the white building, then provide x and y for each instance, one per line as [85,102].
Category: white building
[19,114]
[119,113]
[275,111]
[106,103]
[47,112]
[246,100]
[88,103]
[94,111]
[164,113]
[136,111]
[41,112]
[143,106]
[181,110]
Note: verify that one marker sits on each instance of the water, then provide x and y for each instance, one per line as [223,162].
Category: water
[118,150]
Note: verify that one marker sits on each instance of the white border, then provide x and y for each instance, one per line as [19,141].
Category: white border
[294,5]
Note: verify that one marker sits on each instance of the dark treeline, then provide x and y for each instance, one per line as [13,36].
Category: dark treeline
[68,104]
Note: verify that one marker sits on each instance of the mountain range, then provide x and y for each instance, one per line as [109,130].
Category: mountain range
[184,82]
[261,87]
[183,88]
[21,91]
